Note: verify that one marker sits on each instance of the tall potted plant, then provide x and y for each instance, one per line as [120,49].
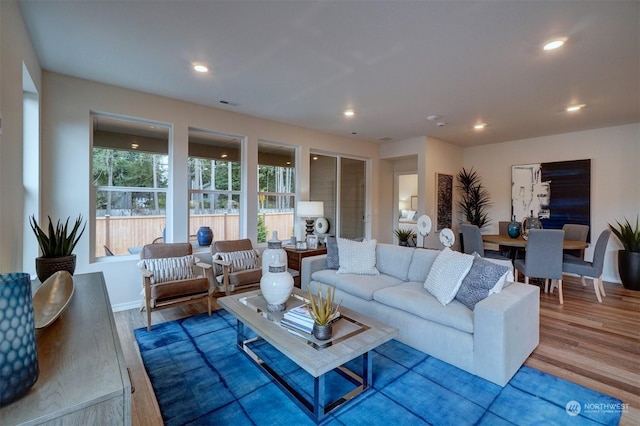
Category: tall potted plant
[57,246]
[629,258]
[475,198]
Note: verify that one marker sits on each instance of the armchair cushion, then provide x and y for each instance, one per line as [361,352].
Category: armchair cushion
[166,269]
[172,289]
[240,260]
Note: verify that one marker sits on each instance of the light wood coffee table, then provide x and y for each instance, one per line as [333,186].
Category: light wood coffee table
[354,335]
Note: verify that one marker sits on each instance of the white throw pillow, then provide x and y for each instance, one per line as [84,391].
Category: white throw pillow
[357,257]
[446,274]
[170,268]
[411,215]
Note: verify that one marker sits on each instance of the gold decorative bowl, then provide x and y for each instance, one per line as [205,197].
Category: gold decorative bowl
[51,298]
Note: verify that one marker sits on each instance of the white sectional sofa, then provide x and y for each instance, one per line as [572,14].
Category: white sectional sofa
[491,341]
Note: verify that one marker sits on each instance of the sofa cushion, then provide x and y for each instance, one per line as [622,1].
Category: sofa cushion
[170,268]
[421,264]
[447,273]
[480,280]
[362,286]
[357,257]
[394,260]
[413,298]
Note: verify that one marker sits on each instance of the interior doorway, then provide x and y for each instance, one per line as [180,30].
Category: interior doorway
[406,201]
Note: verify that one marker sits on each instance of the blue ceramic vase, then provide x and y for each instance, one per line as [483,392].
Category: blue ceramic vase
[205,236]
[18,355]
[514,228]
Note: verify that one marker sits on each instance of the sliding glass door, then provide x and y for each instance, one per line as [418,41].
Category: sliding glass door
[341,184]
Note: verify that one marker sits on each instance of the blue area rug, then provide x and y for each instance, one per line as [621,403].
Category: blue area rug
[201,378]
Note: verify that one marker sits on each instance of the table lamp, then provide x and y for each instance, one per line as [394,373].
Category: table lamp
[309,210]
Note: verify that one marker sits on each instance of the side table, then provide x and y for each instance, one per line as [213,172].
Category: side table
[294,259]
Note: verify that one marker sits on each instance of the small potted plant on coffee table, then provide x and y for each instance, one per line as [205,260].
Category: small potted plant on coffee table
[323,311]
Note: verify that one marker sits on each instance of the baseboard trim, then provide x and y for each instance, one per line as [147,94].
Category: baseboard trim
[126,306]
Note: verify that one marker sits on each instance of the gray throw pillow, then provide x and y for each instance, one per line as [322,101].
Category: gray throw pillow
[333,256]
[480,279]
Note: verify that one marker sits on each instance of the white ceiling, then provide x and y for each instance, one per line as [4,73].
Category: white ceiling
[394,62]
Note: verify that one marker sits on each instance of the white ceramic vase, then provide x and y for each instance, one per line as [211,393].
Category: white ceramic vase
[276,286]
[273,251]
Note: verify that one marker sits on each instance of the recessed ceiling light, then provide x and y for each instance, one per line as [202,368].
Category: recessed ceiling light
[574,108]
[349,113]
[224,156]
[200,68]
[480,126]
[134,145]
[554,44]
[315,157]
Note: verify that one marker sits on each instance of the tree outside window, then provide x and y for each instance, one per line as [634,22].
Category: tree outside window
[276,190]
[214,183]
[130,177]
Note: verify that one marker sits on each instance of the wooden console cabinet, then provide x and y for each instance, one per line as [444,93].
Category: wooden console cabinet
[294,259]
[83,376]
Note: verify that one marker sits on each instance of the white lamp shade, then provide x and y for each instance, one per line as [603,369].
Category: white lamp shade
[310,209]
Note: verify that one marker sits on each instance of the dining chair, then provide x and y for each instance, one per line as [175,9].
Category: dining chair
[472,242]
[575,265]
[543,258]
[575,232]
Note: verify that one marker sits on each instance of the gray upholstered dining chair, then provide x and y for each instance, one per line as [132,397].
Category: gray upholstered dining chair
[575,232]
[575,265]
[543,258]
[472,242]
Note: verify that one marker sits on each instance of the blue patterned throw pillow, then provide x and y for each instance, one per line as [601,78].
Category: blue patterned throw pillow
[480,279]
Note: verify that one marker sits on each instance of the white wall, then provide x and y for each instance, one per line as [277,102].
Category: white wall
[615,175]
[433,156]
[67,103]
[15,50]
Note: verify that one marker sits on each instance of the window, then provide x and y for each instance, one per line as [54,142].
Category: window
[276,190]
[130,177]
[214,183]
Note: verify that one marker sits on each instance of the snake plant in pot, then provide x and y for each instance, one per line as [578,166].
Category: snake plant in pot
[403,235]
[629,258]
[323,311]
[57,246]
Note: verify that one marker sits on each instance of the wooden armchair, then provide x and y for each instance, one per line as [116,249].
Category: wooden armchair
[172,276]
[237,264]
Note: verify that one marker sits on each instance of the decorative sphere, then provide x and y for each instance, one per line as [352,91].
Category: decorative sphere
[514,229]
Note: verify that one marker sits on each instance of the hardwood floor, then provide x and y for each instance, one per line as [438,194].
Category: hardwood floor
[592,344]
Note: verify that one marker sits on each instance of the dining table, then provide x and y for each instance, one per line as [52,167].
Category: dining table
[520,243]
[506,240]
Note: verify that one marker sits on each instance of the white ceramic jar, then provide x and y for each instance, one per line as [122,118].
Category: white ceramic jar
[276,285]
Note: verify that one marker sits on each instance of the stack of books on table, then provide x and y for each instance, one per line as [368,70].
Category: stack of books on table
[298,319]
